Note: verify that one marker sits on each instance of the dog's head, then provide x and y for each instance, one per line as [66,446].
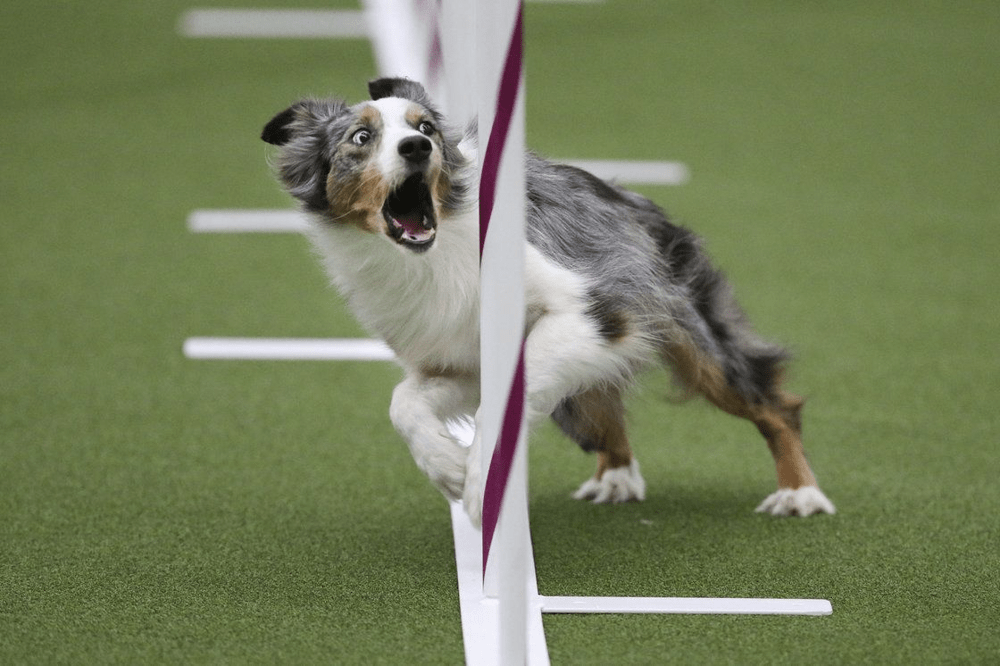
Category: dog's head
[387,166]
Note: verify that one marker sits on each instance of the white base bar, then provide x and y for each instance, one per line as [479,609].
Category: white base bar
[285,23]
[274,23]
[225,221]
[288,349]
[686,605]
[481,614]
[636,172]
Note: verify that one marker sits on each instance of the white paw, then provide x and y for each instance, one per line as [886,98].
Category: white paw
[472,501]
[443,459]
[472,495]
[446,470]
[619,484]
[803,502]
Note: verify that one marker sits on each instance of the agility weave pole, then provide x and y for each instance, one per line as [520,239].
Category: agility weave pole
[502,317]
[498,55]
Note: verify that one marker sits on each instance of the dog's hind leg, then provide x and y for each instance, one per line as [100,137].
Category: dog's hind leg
[595,420]
[776,416]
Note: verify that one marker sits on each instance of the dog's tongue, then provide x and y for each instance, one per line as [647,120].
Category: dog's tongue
[413,227]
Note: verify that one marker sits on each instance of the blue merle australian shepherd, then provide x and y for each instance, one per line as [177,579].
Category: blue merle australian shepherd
[611,284]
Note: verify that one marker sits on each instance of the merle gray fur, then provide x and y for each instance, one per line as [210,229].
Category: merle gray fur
[647,271]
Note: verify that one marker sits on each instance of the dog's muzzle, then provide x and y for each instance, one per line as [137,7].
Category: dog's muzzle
[409,214]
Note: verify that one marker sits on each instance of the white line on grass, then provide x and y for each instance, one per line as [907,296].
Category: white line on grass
[208,22]
[636,172]
[287,349]
[274,23]
[686,605]
[231,221]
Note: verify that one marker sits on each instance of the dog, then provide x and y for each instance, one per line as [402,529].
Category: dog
[611,285]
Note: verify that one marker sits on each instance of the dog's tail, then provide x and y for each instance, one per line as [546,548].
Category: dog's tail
[721,341]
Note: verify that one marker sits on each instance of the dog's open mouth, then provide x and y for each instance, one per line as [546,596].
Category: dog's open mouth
[409,212]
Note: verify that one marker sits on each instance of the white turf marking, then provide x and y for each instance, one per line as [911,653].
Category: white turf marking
[636,172]
[274,23]
[247,221]
[686,605]
[480,614]
[288,23]
[287,349]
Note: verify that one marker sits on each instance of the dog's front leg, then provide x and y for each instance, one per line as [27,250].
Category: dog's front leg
[421,408]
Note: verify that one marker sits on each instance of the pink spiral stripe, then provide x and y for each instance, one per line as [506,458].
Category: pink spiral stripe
[503,456]
[503,453]
[509,81]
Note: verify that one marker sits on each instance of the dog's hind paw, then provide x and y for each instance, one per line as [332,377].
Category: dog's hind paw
[803,502]
[616,485]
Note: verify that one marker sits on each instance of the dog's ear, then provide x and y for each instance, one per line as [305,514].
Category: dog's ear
[396,87]
[302,118]
[276,132]
[303,133]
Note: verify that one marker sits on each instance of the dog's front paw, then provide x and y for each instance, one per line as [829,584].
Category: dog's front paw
[803,502]
[449,481]
[472,495]
[444,465]
[472,499]
[618,484]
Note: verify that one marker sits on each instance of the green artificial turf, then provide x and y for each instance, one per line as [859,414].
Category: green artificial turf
[154,509]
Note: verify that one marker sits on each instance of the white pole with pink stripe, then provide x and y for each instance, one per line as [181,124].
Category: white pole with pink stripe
[502,249]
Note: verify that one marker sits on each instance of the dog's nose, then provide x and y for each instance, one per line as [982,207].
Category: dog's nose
[415,148]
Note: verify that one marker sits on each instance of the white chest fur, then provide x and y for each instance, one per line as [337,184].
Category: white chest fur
[424,305]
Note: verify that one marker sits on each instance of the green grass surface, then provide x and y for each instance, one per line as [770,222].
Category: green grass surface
[160,510]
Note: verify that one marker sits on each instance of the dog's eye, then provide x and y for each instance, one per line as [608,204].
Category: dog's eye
[361,137]
[426,128]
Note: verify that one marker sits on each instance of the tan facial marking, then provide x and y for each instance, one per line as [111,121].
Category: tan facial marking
[370,117]
[415,115]
[442,190]
[359,201]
